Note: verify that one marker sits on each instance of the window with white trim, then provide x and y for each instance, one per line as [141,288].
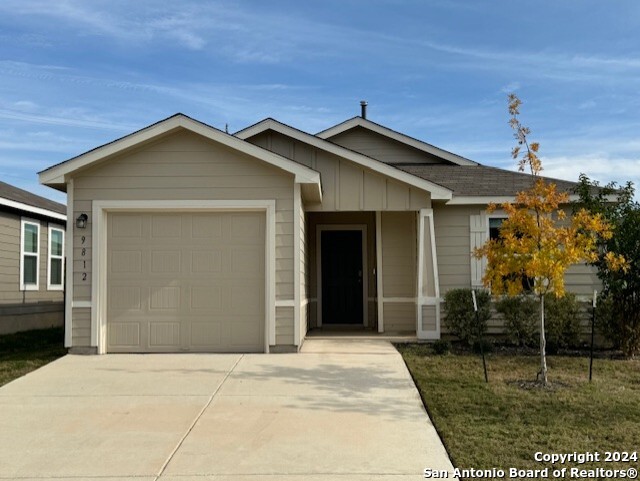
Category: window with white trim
[29,255]
[55,275]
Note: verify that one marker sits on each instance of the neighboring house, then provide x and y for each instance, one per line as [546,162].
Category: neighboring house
[32,231]
[198,240]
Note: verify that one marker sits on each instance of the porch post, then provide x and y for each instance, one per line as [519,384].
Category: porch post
[428,295]
[379,287]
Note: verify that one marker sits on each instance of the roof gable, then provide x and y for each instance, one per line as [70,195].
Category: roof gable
[437,191]
[57,175]
[359,122]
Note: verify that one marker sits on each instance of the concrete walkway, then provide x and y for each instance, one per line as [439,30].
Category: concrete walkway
[340,410]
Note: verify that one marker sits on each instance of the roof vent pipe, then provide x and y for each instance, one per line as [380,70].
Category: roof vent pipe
[363,106]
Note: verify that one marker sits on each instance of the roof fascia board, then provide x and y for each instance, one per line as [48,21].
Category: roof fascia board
[437,191]
[58,174]
[32,209]
[379,129]
[492,199]
[480,200]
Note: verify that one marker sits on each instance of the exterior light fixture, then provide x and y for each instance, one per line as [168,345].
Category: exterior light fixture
[81,221]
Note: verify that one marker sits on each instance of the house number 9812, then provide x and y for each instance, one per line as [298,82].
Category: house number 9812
[84,262]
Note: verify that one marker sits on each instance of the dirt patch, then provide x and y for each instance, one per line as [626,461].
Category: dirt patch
[529,385]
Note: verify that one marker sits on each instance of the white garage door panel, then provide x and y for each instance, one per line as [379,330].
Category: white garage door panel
[185,282]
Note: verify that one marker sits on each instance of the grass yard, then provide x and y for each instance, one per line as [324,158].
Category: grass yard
[502,425]
[24,352]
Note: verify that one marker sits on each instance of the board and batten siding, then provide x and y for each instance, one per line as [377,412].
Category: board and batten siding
[182,166]
[382,148]
[346,186]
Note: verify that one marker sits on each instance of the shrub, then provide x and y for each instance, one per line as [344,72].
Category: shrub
[441,347]
[562,322]
[521,317]
[619,320]
[460,317]
[619,324]
[484,345]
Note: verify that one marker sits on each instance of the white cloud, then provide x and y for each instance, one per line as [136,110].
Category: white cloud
[599,167]
[510,87]
[64,120]
[25,105]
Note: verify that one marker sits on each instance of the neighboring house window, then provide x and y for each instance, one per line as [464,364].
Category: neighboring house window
[494,233]
[55,277]
[29,255]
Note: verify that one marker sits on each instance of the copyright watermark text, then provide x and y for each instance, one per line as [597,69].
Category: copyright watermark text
[556,471]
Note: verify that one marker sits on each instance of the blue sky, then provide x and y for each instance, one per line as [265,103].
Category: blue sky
[75,74]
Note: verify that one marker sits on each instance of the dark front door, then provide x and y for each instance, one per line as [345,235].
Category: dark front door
[341,253]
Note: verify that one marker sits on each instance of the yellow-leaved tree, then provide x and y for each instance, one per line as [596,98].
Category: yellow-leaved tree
[537,241]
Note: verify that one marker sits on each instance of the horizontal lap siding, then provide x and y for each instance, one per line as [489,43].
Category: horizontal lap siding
[81,329]
[453,245]
[399,264]
[429,321]
[284,326]
[399,259]
[582,279]
[184,166]
[10,238]
[399,317]
[452,231]
[303,273]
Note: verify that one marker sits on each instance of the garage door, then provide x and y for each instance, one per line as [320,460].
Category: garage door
[185,282]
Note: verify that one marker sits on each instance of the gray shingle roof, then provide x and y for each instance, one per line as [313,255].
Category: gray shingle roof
[478,180]
[15,194]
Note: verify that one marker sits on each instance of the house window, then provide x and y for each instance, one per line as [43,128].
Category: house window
[56,254]
[494,234]
[29,255]
[494,227]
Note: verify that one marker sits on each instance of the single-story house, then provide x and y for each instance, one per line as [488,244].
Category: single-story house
[198,240]
[32,231]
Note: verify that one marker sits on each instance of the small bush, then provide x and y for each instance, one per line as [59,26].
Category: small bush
[441,347]
[460,317]
[521,317]
[562,322]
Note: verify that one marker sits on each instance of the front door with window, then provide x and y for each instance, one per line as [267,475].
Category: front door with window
[342,271]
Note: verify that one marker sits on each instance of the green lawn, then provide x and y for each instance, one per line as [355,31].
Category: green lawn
[24,352]
[503,425]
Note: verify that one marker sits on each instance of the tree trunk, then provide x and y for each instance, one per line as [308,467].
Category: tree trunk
[543,346]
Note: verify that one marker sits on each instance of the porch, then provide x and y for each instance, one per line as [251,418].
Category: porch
[371,275]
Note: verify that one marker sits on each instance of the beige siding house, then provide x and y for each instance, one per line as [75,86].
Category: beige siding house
[32,231]
[201,241]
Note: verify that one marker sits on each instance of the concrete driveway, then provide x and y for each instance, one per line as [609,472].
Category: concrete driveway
[342,409]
